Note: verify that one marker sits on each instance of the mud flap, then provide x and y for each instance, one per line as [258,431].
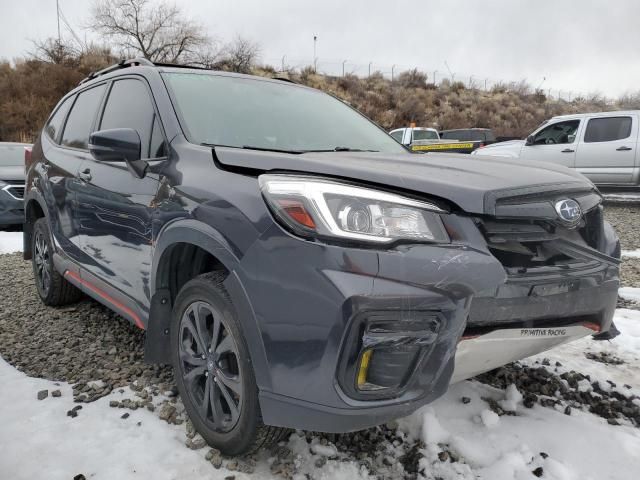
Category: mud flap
[156,346]
[610,334]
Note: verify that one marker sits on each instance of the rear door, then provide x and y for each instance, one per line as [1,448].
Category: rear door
[607,149]
[555,143]
[116,206]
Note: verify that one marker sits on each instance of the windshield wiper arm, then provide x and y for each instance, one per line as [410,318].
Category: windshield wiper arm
[342,149]
[259,149]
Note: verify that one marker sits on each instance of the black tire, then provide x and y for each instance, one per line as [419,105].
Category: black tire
[228,416]
[53,288]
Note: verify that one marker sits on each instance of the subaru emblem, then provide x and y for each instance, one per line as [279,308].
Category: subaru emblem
[569,211]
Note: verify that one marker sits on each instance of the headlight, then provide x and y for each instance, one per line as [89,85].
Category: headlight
[317,207]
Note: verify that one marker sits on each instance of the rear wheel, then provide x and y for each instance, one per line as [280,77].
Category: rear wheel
[213,370]
[52,287]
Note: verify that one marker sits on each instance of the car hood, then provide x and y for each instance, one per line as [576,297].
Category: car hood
[472,183]
[12,172]
[512,147]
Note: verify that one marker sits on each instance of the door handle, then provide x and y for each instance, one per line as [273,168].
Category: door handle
[567,150]
[623,149]
[85,175]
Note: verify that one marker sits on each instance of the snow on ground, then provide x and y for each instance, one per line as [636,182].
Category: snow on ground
[625,347]
[101,445]
[631,253]
[10,242]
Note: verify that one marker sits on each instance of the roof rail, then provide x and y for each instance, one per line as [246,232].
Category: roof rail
[121,64]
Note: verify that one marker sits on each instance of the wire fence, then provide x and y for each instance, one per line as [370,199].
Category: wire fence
[337,68]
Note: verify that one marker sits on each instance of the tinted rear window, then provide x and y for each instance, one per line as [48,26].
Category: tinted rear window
[425,135]
[607,129]
[80,120]
[11,155]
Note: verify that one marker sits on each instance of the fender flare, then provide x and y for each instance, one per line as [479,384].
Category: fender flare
[32,196]
[157,348]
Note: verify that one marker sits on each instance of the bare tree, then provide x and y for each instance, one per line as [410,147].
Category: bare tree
[52,50]
[156,31]
[240,56]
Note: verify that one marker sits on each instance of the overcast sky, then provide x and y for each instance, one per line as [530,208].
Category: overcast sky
[580,46]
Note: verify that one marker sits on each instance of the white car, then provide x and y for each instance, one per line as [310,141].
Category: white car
[602,146]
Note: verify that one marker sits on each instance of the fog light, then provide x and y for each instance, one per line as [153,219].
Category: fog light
[364,368]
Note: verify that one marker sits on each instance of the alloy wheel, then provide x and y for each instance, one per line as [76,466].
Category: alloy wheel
[209,365]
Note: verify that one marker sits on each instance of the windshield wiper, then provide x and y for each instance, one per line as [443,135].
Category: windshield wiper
[342,149]
[259,149]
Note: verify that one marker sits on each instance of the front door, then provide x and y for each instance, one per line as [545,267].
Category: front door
[607,149]
[116,207]
[555,143]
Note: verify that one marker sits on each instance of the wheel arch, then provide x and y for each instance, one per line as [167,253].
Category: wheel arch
[34,208]
[194,234]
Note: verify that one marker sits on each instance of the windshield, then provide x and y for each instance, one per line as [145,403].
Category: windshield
[245,112]
[11,155]
[425,135]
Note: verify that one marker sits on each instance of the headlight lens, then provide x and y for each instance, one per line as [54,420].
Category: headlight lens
[317,207]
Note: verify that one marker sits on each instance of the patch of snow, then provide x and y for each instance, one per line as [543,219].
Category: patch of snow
[630,293]
[10,242]
[631,253]
[512,398]
[579,446]
[489,419]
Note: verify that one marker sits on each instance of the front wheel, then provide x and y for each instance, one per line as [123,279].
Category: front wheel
[213,369]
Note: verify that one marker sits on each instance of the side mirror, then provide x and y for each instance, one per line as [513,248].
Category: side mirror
[119,145]
[529,140]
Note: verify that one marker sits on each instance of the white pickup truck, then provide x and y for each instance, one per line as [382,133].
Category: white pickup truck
[602,146]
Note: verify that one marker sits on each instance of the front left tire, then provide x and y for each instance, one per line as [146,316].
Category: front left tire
[213,369]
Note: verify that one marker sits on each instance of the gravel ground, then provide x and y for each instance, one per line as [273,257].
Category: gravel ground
[89,346]
[626,221]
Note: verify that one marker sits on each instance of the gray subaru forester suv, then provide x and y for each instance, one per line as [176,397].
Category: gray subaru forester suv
[296,265]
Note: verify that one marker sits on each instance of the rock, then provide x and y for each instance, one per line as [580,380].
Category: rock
[567,410]
[443,456]
[80,477]
[215,457]
[72,413]
[320,462]
[466,400]
[56,393]
[167,411]
[114,403]
[538,472]
[230,477]
[42,394]
[232,465]
[195,443]
[124,416]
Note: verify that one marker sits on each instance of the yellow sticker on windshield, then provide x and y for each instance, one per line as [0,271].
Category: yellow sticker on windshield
[442,146]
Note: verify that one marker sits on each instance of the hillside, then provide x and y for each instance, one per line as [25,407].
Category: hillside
[30,89]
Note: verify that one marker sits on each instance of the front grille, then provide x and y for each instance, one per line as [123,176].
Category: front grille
[15,190]
[525,245]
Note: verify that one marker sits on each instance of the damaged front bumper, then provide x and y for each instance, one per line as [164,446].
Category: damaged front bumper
[412,308]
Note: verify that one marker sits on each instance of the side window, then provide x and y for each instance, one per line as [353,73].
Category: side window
[80,120]
[397,135]
[557,133]
[607,129]
[54,127]
[130,106]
